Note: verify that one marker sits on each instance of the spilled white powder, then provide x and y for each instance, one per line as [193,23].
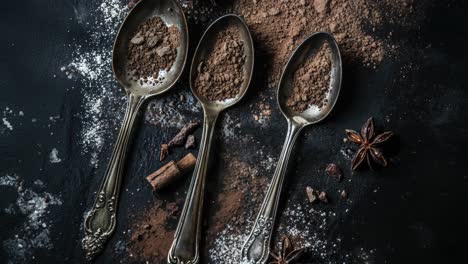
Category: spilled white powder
[10,119]
[102,99]
[7,123]
[227,246]
[53,156]
[34,232]
[7,181]
[172,112]
[307,226]
[267,160]
[229,125]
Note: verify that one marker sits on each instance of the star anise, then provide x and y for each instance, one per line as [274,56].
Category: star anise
[368,145]
[286,253]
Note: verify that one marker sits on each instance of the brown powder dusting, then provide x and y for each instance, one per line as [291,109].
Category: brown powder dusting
[152,48]
[151,234]
[242,192]
[220,75]
[311,81]
[367,30]
[278,34]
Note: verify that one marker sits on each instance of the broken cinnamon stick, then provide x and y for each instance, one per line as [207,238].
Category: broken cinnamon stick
[179,139]
[171,171]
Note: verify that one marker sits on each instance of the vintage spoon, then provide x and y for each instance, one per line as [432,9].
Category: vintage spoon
[100,222]
[185,246]
[256,247]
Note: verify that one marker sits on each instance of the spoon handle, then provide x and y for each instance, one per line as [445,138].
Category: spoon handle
[257,245]
[184,249]
[99,223]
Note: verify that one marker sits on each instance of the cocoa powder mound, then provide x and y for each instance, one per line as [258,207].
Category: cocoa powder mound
[368,31]
[311,81]
[220,76]
[152,48]
[280,25]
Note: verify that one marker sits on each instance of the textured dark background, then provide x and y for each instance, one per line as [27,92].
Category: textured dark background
[418,214]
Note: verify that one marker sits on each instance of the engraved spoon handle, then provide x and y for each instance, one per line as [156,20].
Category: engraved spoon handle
[184,249]
[257,245]
[100,222]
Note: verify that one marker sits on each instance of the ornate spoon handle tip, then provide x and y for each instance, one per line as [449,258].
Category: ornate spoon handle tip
[99,224]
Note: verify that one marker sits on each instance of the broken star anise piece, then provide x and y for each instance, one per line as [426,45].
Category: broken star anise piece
[368,149]
[287,253]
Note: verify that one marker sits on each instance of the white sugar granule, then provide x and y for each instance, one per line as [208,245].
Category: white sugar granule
[53,156]
[7,123]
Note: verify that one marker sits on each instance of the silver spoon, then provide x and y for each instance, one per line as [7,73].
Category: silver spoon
[256,247]
[185,246]
[100,222]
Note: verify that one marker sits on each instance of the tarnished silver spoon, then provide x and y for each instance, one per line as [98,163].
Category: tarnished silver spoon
[256,247]
[185,247]
[100,222]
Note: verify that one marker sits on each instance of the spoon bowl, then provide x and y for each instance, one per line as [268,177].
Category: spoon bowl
[306,49]
[205,47]
[172,15]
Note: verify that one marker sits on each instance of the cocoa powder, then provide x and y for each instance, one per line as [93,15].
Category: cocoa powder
[219,77]
[151,235]
[311,81]
[237,193]
[277,27]
[280,25]
[152,48]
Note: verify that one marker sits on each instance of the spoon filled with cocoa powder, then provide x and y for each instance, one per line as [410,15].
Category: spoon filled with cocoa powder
[219,77]
[148,57]
[308,90]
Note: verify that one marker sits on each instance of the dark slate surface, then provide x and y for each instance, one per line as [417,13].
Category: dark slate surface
[418,214]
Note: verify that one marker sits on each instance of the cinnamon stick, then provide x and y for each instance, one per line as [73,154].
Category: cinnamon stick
[171,171]
[179,139]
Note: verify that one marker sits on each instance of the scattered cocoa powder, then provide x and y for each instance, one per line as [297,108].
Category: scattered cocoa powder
[311,81]
[152,48]
[353,23]
[277,27]
[220,76]
[151,237]
[364,29]
[241,193]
